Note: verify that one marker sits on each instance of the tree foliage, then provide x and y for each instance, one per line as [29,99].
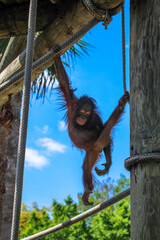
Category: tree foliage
[112,223]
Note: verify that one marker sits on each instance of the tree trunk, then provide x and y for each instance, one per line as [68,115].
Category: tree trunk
[145,118]
[11,172]
[58,31]
[15,46]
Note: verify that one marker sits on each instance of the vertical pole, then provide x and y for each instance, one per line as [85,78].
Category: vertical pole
[145,117]
[11,171]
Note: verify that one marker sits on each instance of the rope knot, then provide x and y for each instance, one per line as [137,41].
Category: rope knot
[104,15]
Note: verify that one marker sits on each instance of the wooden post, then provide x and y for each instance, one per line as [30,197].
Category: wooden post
[145,117]
[7,208]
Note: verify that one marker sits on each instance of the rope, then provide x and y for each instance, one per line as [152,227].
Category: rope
[100,14]
[104,15]
[81,216]
[123,49]
[24,120]
[146,157]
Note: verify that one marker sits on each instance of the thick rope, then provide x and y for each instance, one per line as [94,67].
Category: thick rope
[104,15]
[81,216]
[142,158]
[100,14]
[123,49]
[24,120]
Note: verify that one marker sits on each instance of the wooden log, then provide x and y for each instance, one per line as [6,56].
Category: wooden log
[14,19]
[145,118]
[55,33]
[3,150]
[6,118]
[15,46]
[12,147]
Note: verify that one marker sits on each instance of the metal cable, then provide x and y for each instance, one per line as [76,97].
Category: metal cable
[24,120]
[123,49]
[81,216]
[146,157]
[55,50]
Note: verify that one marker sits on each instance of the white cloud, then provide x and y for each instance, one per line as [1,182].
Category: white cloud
[35,159]
[45,129]
[51,145]
[127,45]
[37,129]
[62,126]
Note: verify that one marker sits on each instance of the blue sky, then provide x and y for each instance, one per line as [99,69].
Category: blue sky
[53,167]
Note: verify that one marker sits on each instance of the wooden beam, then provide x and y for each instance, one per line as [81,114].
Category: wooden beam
[145,118]
[55,33]
[15,46]
[14,16]
[14,19]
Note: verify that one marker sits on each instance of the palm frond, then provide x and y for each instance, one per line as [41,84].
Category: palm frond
[45,82]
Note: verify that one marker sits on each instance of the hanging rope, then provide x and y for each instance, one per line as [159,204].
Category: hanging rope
[81,216]
[24,120]
[123,49]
